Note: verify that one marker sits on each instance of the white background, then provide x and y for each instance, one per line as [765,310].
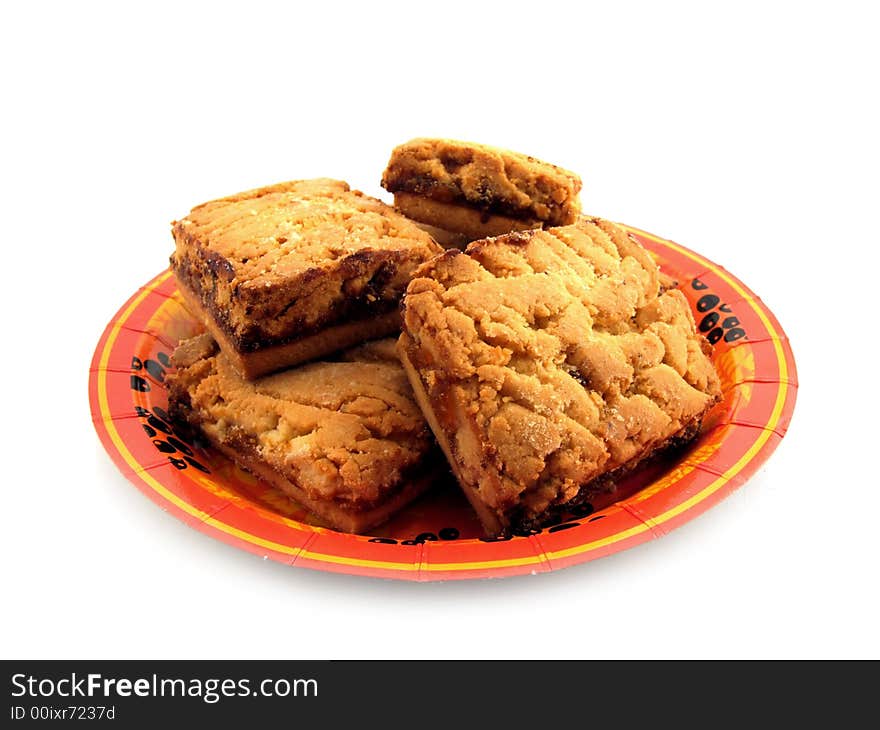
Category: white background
[748,134]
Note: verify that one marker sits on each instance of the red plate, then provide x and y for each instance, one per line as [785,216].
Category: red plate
[438,537]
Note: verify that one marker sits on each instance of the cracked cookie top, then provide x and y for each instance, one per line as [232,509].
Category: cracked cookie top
[344,431]
[551,357]
[280,261]
[488,178]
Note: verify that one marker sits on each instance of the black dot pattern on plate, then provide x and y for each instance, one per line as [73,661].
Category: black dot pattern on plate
[707,302]
[158,424]
[712,324]
[170,437]
[709,321]
[155,369]
[446,533]
[451,533]
[564,526]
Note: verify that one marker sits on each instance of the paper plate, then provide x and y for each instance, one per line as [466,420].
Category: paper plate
[438,537]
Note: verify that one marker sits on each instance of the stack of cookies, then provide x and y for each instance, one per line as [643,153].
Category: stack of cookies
[483,314]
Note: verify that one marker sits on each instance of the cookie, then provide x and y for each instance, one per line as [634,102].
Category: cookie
[344,439]
[291,272]
[548,362]
[469,191]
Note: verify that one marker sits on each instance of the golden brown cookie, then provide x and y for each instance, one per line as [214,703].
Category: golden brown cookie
[294,271]
[469,191]
[345,440]
[548,361]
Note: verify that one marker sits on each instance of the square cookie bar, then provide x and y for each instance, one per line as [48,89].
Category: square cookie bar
[463,191]
[548,362]
[291,272]
[345,440]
